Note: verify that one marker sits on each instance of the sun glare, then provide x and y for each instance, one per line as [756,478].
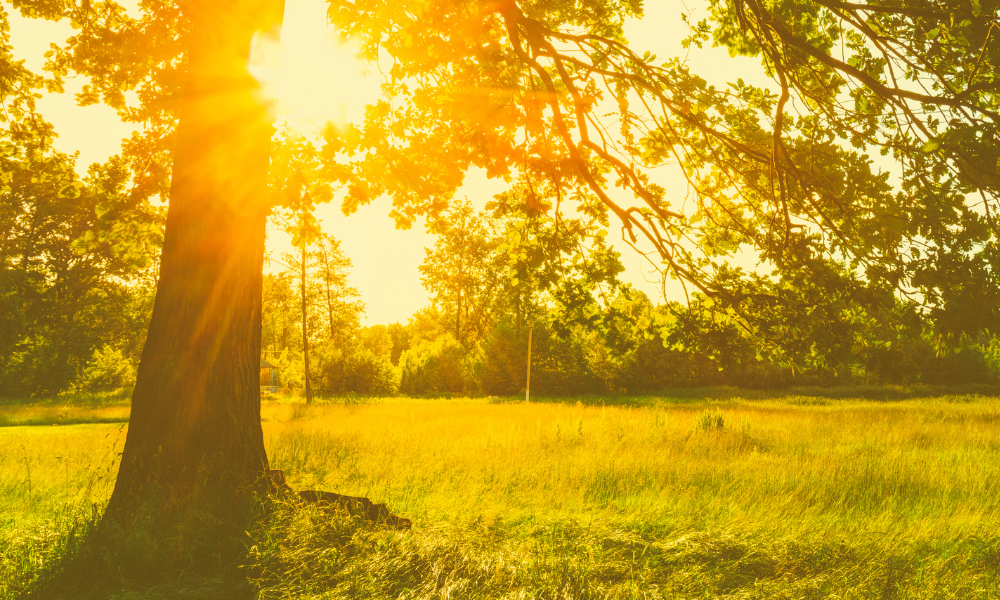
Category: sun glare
[311,75]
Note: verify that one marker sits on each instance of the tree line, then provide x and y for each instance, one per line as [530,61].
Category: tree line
[79,279]
[81,267]
[495,274]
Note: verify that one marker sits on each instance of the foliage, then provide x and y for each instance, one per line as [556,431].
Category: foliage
[432,367]
[358,370]
[465,271]
[77,265]
[848,257]
[797,190]
[108,370]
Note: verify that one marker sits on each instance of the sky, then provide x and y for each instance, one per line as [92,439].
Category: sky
[315,78]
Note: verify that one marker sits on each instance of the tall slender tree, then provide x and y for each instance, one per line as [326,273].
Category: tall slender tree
[340,300]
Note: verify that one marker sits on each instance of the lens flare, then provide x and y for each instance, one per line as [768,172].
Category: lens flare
[310,75]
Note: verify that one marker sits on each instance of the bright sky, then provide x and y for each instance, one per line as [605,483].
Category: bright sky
[317,79]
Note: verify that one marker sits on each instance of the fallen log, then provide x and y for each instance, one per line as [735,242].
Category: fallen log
[363,508]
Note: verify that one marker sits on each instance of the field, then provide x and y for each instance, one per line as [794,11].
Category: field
[794,497]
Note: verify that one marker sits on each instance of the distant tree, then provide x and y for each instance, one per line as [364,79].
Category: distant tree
[296,186]
[341,301]
[466,271]
[332,307]
[279,311]
[400,337]
[77,265]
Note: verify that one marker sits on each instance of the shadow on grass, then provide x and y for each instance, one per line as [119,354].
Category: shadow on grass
[199,554]
[288,552]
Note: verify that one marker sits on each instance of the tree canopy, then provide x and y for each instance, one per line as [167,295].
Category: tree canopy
[551,95]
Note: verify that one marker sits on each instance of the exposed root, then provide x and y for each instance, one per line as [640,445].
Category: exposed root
[363,508]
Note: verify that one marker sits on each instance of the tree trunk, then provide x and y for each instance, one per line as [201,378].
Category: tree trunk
[195,424]
[305,328]
[527,382]
[518,329]
[329,298]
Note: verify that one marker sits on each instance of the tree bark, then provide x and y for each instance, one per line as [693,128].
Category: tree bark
[195,424]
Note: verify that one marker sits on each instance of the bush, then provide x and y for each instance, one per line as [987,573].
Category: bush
[108,370]
[433,367]
[357,370]
[654,368]
[917,360]
[291,369]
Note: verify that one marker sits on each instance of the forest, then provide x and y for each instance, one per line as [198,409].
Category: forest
[806,409]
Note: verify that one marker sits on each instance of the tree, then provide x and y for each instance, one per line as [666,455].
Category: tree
[195,423]
[341,301]
[77,264]
[330,307]
[279,311]
[297,185]
[465,271]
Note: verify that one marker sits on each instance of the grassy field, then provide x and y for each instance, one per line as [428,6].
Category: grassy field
[794,497]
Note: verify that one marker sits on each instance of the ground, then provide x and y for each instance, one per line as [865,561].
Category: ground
[700,496]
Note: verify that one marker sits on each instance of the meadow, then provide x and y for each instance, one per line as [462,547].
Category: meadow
[788,497]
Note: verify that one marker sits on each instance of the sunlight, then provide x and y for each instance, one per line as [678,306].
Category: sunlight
[311,75]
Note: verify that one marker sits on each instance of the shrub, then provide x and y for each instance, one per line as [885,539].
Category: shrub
[710,421]
[356,370]
[433,367]
[108,370]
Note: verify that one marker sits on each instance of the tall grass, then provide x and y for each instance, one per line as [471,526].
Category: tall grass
[801,497]
[910,467]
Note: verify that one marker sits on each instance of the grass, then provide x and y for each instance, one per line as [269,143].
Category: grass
[804,496]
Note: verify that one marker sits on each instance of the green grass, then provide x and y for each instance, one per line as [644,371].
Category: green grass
[805,496]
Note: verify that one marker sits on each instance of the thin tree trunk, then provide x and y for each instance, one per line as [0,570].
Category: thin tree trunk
[284,323]
[305,328]
[195,422]
[527,384]
[329,298]
[518,330]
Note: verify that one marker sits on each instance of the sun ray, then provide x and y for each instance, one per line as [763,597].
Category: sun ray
[312,76]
